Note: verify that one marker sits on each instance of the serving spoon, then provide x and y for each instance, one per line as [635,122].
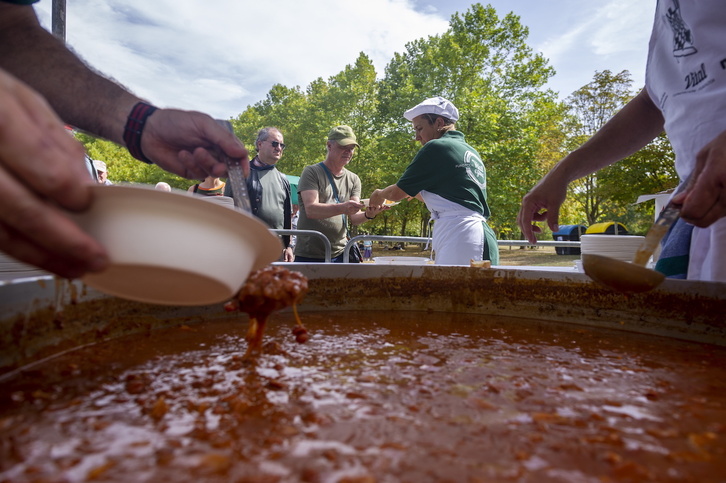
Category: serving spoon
[236,176]
[634,277]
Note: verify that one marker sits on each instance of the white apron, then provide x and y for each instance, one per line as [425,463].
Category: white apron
[458,232]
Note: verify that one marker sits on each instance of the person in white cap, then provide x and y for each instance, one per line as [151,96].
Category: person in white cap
[449,176]
[102,171]
[163,186]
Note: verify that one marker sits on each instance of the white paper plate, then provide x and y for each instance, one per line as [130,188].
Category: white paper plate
[174,248]
[388,203]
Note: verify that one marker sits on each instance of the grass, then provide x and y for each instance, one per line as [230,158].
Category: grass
[537,256]
[515,256]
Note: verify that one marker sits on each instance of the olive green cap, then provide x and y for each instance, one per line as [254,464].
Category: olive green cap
[343,135]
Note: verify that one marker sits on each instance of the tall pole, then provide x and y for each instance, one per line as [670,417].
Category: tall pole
[58,19]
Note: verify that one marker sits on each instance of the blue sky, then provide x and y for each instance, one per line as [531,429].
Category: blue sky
[578,37]
[221,56]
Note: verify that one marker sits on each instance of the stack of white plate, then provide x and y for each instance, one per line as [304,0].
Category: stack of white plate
[620,247]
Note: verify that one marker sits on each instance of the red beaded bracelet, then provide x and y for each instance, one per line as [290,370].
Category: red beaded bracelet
[134,127]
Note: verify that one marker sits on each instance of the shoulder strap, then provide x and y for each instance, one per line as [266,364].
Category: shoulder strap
[335,191]
[332,183]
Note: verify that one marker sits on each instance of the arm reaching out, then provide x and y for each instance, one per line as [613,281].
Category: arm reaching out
[42,167]
[634,126]
[392,192]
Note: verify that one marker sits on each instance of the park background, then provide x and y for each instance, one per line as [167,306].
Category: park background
[484,64]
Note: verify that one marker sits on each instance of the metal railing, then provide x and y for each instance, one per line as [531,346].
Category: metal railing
[404,239]
[412,239]
[543,243]
[317,234]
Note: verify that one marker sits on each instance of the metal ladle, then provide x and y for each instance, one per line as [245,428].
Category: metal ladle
[236,176]
[619,275]
[634,277]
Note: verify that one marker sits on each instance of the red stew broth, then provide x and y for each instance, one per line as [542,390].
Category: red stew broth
[372,397]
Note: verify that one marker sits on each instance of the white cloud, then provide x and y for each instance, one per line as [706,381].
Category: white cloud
[555,48]
[221,56]
[621,26]
[613,36]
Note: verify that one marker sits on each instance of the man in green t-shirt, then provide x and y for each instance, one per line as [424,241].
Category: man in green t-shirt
[330,195]
[449,176]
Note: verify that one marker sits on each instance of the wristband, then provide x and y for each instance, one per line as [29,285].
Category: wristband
[368,217]
[135,127]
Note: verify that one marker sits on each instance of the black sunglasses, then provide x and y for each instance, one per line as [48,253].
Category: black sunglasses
[277,144]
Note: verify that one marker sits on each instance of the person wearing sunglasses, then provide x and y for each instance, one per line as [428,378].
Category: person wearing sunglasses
[269,189]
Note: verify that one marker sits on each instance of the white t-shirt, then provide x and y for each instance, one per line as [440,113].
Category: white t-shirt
[686,78]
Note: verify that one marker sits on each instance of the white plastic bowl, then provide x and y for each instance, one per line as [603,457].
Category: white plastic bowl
[174,248]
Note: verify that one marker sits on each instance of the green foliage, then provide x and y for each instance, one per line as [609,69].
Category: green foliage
[595,103]
[484,65]
[123,168]
[649,171]
[611,193]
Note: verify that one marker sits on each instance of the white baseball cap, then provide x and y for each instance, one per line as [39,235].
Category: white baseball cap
[434,105]
[100,165]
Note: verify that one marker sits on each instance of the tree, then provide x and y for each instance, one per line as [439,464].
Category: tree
[485,67]
[610,193]
[591,107]
[122,167]
[651,170]
[483,64]
[305,117]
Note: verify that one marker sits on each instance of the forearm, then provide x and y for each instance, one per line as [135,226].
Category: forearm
[633,127]
[392,192]
[629,130]
[80,96]
[359,218]
[319,211]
